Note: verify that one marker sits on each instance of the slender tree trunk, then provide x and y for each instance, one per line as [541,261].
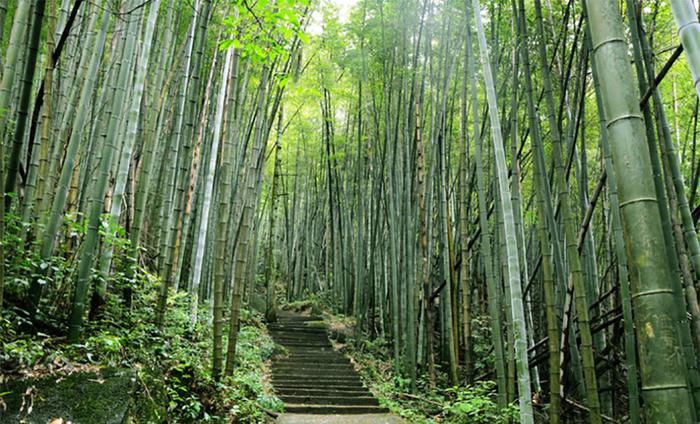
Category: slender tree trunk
[100,189]
[518,313]
[271,305]
[496,328]
[209,186]
[30,69]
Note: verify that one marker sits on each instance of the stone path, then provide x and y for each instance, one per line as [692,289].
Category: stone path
[339,419]
[316,383]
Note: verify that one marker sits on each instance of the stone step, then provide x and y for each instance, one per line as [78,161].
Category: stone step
[311,350]
[314,372]
[307,344]
[315,363]
[298,334]
[311,323]
[283,318]
[331,378]
[334,380]
[331,372]
[299,365]
[324,350]
[296,328]
[320,352]
[300,391]
[332,400]
[305,337]
[322,355]
[320,358]
[312,377]
[286,340]
[284,364]
[333,409]
[300,342]
[328,387]
[315,384]
[316,360]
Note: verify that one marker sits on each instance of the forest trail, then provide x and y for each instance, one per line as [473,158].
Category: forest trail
[464,188]
[317,383]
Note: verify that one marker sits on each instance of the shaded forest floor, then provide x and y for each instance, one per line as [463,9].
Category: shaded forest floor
[172,364]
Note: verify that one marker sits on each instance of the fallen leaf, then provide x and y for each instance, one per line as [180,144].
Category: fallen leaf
[28,394]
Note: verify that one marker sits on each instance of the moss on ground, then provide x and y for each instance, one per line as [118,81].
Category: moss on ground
[102,397]
[304,307]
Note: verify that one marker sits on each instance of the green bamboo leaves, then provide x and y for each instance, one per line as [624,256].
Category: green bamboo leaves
[359,198]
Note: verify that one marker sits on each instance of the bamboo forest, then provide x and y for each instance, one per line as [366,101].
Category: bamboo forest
[349,211]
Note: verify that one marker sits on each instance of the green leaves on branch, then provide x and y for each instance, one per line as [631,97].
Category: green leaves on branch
[266,33]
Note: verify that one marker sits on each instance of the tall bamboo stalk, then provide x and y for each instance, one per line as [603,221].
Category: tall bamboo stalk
[494,312]
[209,186]
[516,298]
[100,189]
[664,385]
[27,81]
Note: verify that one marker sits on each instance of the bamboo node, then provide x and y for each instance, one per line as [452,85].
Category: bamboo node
[665,387]
[621,117]
[652,292]
[608,41]
[637,200]
[686,25]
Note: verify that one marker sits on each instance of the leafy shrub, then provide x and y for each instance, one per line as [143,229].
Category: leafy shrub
[428,403]
[475,404]
[22,353]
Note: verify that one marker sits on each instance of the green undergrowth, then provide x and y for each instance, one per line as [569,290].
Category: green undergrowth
[422,403]
[173,364]
[306,307]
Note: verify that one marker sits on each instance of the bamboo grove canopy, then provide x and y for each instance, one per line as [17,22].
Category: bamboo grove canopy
[502,190]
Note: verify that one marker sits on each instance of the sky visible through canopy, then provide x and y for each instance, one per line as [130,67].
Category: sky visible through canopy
[343,6]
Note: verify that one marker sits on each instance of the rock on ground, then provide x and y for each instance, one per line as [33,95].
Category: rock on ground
[106,396]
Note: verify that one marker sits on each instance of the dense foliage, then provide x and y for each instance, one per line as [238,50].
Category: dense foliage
[172,360]
[502,197]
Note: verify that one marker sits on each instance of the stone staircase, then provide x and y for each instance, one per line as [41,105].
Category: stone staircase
[314,378]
